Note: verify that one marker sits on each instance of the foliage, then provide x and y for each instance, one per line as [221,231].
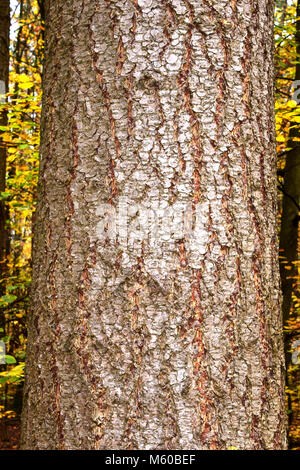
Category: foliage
[287,110]
[21,139]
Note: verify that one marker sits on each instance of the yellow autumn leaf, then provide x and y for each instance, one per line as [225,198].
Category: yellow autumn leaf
[25,85]
[24,81]
[22,77]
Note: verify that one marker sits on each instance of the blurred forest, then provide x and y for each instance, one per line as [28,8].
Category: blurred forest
[20,110]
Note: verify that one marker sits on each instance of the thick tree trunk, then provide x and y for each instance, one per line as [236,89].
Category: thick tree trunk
[146,332]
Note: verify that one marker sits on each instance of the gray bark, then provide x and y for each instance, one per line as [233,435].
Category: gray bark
[165,338]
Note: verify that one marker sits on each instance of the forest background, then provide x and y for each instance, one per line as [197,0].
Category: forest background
[20,110]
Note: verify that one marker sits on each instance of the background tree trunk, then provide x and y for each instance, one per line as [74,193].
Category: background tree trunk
[282,5]
[4,240]
[289,239]
[4,70]
[165,338]
[291,201]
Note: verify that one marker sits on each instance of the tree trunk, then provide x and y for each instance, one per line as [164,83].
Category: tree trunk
[282,5]
[156,318]
[4,70]
[4,242]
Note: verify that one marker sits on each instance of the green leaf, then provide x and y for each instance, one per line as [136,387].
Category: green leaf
[5,339]
[10,288]
[8,299]
[10,359]
[4,195]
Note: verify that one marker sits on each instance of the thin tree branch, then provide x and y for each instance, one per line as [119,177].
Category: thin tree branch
[12,304]
[281,188]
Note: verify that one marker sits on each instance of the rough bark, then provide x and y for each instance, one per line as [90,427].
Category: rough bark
[156,339]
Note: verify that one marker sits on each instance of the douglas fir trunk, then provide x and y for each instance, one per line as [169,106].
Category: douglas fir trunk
[156,319]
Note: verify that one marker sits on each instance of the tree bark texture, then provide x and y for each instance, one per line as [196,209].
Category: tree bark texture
[153,339]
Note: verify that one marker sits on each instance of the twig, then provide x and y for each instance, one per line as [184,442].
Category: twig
[14,302]
[281,188]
